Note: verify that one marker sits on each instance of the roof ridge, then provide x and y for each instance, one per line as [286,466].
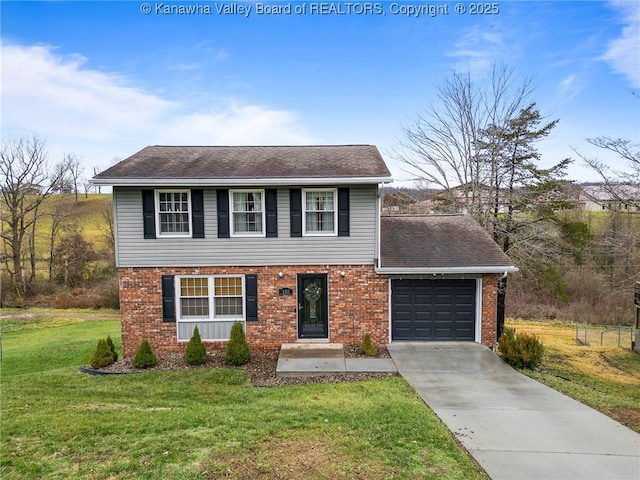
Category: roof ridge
[267,146]
[414,215]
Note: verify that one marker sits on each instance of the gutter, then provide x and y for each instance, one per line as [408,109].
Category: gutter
[506,269]
[236,182]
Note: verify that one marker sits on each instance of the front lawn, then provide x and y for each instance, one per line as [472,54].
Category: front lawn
[58,423]
[607,378]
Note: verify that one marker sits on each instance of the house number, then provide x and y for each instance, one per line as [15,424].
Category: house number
[286,291]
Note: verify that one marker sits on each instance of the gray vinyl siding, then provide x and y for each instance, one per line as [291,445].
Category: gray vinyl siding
[208,330]
[134,251]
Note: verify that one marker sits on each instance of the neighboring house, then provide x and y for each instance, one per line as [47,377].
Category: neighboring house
[619,198]
[289,241]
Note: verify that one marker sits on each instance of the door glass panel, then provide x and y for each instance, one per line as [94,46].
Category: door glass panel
[312,314]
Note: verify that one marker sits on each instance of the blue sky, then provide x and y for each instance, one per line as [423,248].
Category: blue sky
[102,80]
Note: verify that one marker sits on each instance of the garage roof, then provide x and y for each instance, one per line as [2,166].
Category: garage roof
[439,244]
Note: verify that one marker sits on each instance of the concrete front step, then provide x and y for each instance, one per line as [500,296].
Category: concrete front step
[312,359]
[312,350]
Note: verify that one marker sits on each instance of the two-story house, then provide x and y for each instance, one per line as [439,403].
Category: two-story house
[289,241]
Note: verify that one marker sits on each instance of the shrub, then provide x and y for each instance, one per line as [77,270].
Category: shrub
[102,355]
[196,353]
[237,351]
[144,358]
[367,348]
[109,295]
[522,350]
[112,347]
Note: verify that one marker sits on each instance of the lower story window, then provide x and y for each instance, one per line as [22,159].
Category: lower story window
[211,303]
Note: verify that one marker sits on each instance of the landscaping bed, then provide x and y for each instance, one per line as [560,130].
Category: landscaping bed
[261,369]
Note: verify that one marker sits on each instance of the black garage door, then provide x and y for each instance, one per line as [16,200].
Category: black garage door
[436,310]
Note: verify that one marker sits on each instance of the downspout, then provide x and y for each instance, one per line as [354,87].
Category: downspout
[500,304]
[376,259]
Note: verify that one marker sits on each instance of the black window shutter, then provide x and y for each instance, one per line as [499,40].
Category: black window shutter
[251,297]
[271,206]
[149,213]
[223,213]
[295,207]
[168,299]
[197,213]
[343,212]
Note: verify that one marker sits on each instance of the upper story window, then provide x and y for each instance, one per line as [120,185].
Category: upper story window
[173,213]
[247,210]
[319,214]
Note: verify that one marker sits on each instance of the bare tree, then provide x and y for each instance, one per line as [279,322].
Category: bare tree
[25,184]
[442,147]
[623,184]
[75,169]
[109,233]
[59,217]
[62,183]
[87,184]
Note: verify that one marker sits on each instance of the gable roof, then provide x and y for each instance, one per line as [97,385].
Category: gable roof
[439,244]
[608,193]
[248,165]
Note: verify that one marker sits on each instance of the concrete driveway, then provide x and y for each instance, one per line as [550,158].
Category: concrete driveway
[515,427]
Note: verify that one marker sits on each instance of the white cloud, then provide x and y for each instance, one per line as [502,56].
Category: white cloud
[623,53]
[478,49]
[569,87]
[99,115]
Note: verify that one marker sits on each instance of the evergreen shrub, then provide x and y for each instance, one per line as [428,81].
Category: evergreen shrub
[196,354]
[144,358]
[367,348]
[102,355]
[237,351]
[521,350]
[112,347]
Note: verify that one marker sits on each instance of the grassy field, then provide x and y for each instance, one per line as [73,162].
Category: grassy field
[606,378]
[87,215]
[58,423]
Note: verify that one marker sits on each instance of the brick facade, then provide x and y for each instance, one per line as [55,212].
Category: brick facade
[358,303]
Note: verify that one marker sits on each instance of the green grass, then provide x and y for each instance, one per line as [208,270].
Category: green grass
[605,378]
[58,423]
[87,215]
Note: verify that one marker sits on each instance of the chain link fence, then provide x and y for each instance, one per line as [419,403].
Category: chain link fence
[611,336]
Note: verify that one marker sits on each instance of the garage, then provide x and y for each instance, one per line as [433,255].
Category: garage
[433,310]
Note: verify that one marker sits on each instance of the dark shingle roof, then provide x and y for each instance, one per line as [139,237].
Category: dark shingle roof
[436,242]
[248,162]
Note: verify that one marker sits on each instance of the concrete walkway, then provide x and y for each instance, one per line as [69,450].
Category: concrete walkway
[314,359]
[515,427]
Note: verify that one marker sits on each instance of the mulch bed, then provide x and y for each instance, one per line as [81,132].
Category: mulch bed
[261,369]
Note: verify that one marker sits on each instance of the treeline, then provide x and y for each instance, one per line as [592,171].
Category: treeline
[477,144]
[57,246]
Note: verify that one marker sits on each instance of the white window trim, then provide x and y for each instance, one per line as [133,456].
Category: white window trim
[231,214]
[157,214]
[335,213]
[211,288]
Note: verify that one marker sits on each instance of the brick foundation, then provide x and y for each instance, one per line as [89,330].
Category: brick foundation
[358,304]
